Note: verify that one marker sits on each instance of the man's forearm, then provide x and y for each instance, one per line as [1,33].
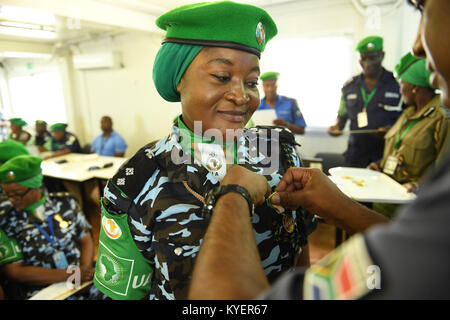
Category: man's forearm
[228,265]
[354,217]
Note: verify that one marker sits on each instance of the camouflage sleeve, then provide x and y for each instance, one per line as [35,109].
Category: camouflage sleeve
[121,271]
[124,265]
[9,249]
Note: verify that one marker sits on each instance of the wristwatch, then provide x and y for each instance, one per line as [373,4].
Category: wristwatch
[215,193]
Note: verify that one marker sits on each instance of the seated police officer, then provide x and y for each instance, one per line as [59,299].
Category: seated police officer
[47,231]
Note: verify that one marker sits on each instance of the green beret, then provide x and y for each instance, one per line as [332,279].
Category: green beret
[370,44]
[267,76]
[58,127]
[20,170]
[18,122]
[405,62]
[219,24]
[10,149]
[417,74]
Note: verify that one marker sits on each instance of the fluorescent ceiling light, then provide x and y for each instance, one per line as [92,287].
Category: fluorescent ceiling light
[27,15]
[27,33]
[28,55]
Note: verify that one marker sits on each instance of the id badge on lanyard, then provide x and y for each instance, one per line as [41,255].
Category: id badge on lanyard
[363,120]
[59,258]
[390,165]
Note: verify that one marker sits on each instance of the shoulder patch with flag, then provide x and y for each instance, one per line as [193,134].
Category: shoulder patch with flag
[121,271]
[344,274]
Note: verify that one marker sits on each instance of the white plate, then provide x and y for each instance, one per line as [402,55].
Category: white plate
[366,185]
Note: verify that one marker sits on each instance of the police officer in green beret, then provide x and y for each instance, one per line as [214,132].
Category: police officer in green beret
[46,232]
[17,131]
[371,101]
[62,141]
[287,110]
[157,206]
[416,142]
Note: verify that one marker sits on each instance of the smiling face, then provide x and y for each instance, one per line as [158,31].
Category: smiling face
[219,88]
[433,43]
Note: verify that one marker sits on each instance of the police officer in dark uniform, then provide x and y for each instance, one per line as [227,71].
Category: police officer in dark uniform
[44,233]
[62,142]
[371,101]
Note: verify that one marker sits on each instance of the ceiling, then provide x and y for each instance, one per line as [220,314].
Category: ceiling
[78,20]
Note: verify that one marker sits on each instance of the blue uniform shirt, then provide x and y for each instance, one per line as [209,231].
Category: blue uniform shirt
[383,110]
[286,109]
[109,146]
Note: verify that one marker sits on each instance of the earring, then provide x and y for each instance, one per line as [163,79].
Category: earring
[414,90]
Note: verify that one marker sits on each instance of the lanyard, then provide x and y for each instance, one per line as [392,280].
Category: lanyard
[401,135]
[49,238]
[366,98]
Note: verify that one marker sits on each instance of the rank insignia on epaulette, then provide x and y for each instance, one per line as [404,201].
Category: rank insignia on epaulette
[342,274]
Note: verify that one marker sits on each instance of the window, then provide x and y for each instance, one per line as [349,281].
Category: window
[38,97]
[313,71]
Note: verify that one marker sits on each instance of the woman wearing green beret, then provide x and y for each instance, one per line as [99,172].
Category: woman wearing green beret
[17,132]
[157,207]
[416,142]
[46,232]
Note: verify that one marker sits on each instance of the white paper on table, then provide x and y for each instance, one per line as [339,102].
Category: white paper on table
[58,291]
[264,117]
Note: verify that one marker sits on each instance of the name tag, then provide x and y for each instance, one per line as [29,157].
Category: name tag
[362,119]
[391,95]
[390,165]
[352,96]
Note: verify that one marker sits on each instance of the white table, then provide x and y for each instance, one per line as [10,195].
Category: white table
[76,167]
[80,168]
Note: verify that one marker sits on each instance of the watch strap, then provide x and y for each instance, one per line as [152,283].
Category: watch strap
[214,194]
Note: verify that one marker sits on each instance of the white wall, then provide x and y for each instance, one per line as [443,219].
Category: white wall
[128,95]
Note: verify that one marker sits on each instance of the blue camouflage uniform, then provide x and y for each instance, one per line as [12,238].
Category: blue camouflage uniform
[286,109]
[35,249]
[383,110]
[161,202]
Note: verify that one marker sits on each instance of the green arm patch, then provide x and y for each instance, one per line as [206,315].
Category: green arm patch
[342,112]
[9,249]
[121,271]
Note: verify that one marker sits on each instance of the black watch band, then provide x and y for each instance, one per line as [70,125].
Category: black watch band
[215,193]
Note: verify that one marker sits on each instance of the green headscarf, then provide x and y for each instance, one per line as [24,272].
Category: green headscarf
[417,74]
[171,62]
